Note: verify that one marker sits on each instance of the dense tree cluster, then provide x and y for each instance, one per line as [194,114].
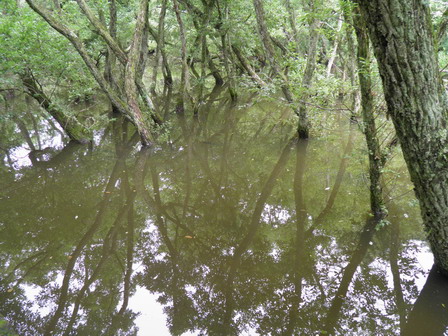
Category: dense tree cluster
[76,68]
[133,53]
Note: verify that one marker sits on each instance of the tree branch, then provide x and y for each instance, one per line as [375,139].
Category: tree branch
[102,30]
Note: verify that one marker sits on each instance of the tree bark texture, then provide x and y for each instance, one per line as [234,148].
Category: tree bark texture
[131,70]
[403,44]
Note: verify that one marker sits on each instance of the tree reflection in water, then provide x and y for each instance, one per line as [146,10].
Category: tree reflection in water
[230,234]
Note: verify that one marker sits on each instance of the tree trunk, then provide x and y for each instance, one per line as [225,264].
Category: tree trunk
[184,80]
[224,16]
[292,18]
[214,70]
[167,71]
[160,45]
[72,127]
[246,65]
[132,67]
[264,34]
[142,90]
[403,44]
[205,58]
[350,61]
[337,41]
[127,105]
[369,127]
[303,127]
[110,57]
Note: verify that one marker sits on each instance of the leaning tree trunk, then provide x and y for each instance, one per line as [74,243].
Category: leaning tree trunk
[246,65]
[126,105]
[71,126]
[403,44]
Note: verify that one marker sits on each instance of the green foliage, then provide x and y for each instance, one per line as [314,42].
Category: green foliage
[4,329]
[28,43]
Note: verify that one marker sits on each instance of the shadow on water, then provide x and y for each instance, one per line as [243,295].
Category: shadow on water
[234,236]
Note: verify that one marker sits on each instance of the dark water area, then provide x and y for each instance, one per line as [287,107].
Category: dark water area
[228,228]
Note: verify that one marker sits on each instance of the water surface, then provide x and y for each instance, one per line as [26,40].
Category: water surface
[228,228]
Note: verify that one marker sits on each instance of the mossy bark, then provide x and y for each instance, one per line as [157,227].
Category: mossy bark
[402,38]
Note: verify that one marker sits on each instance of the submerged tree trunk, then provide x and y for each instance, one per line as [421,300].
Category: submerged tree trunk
[357,257]
[428,316]
[369,127]
[300,257]
[245,242]
[403,44]
[303,127]
[394,257]
[71,126]
[26,135]
[132,66]
[127,104]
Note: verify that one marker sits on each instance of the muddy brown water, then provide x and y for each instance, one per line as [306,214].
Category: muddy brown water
[225,229]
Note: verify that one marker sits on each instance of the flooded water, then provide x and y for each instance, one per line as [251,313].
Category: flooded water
[228,229]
